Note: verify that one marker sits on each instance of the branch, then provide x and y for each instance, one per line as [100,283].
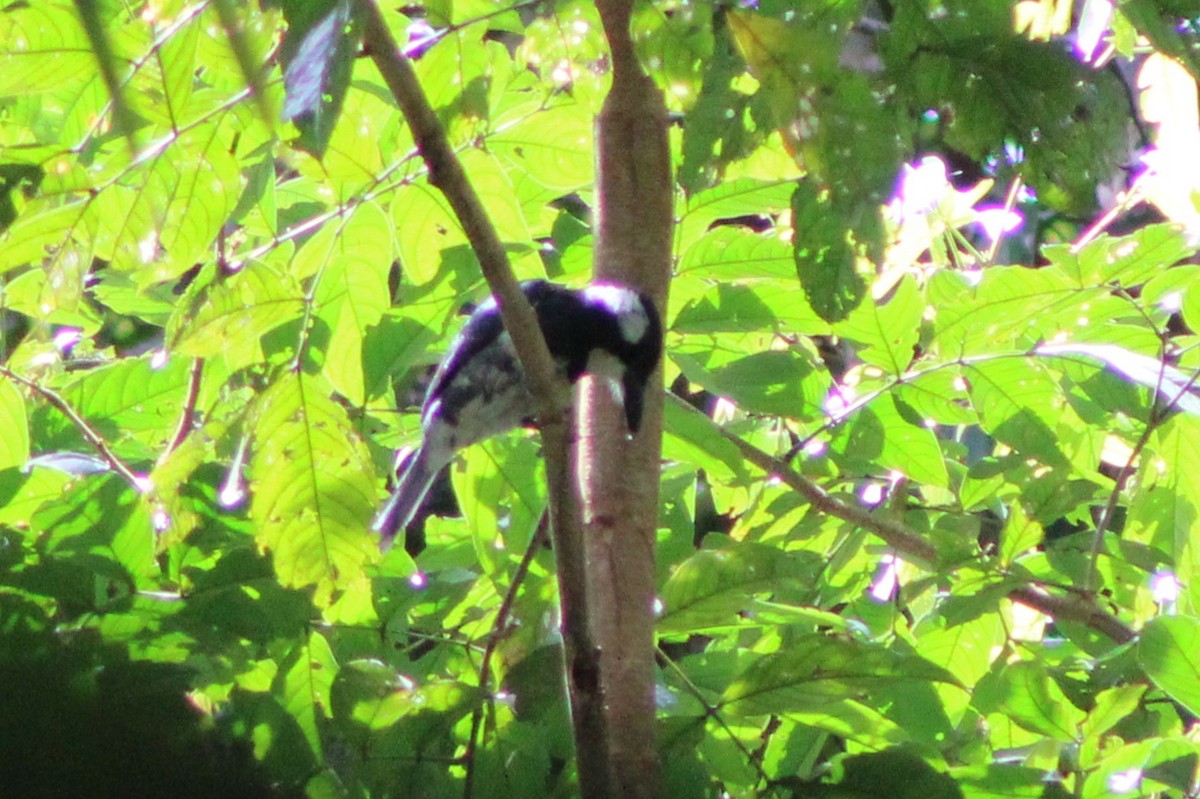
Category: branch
[915,548]
[446,173]
[86,430]
[485,667]
[187,417]
[551,396]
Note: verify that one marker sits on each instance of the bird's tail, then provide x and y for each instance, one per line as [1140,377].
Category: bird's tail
[415,479]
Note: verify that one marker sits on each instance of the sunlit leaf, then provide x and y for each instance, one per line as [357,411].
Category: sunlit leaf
[304,687]
[14,426]
[888,330]
[711,588]
[1169,650]
[313,487]
[817,670]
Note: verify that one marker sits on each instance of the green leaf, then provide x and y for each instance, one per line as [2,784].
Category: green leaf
[733,253]
[1020,535]
[692,437]
[1125,260]
[253,301]
[1168,649]
[1034,701]
[318,54]
[709,590]
[47,47]
[552,148]
[132,397]
[45,231]
[502,494]
[162,219]
[866,774]
[880,435]
[817,670]
[313,486]
[888,330]
[1009,307]
[727,201]
[1112,707]
[1171,383]
[303,687]
[426,230]
[368,696]
[1019,404]
[14,426]
[741,308]
[824,258]
[352,293]
[777,382]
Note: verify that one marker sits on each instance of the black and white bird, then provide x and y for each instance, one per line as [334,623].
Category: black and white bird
[479,390]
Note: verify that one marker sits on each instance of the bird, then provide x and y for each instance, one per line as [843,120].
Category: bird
[605,329]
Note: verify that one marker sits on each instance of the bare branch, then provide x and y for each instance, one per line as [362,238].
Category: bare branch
[553,400]
[86,430]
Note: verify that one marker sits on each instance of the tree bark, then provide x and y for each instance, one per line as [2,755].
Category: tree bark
[619,477]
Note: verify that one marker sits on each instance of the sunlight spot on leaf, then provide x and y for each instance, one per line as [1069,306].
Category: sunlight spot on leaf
[161,520]
[886,581]
[814,448]
[418,580]
[1164,587]
[66,338]
[1125,781]
[148,247]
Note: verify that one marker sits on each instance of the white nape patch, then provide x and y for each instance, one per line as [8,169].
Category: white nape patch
[623,303]
[607,368]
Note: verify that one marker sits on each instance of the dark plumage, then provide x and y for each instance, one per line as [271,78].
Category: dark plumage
[479,390]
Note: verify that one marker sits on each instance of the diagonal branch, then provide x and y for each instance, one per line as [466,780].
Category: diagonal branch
[913,547]
[553,401]
[89,433]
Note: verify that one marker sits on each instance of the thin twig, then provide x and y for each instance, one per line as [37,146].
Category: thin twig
[187,417]
[713,712]
[497,633]
[86,430]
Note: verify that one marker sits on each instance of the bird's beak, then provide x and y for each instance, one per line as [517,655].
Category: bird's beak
[634,390]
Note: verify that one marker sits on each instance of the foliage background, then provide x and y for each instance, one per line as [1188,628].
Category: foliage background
[209,315]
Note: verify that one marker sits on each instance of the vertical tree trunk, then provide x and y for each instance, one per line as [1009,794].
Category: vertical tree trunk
[619,477]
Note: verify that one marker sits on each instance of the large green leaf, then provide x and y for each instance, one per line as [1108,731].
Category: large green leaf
[303,687]
[352,292]
[1028,696]
[313,487]
[46,48]
[888,329]
[817,670]
[14,426]
[709,590]
[253,301]
[1169,650]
